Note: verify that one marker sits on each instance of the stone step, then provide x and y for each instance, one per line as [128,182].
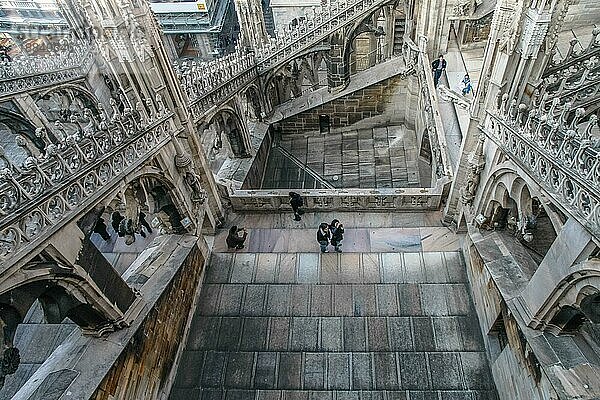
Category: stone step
[336,371]
[334,268]
[356,240]
[236,394]
[334,326]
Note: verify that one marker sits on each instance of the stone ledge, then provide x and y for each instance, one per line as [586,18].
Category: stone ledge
[90,359]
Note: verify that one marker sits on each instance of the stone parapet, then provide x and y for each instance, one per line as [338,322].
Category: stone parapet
[134,362]
[526,363]
[44,194]
[68,62]
[385,200]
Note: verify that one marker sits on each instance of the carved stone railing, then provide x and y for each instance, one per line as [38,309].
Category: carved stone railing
[44,193]
[576,77]
[68,61]
[313,30]
[408,199]
[433,120]
[210,83]
[563,158]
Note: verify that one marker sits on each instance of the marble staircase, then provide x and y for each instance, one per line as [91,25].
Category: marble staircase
[365,324]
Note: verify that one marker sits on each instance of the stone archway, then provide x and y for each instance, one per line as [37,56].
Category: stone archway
[509,202]
[254,103]
[69,109]
[147,200]
[307,71]
[18,138]
[228,124]
[63,292]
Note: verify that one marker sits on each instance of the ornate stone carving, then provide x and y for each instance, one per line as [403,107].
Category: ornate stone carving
[562,157]
[465,8]
[575,78]
[50,189]
[69,60]
[183,162]
[349,199]
[210,83]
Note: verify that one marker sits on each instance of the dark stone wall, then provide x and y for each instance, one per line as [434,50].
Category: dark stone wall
[105,276]
[143,368]
[346,110]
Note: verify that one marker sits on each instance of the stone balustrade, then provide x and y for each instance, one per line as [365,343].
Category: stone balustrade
[575,78]
[562,157]
[318,25]
[210,83]
[408,199]
[40,196]
[70,60]
[433,120]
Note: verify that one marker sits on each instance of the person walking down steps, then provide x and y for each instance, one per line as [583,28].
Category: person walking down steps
[337,235]
[296,202]
[323,237]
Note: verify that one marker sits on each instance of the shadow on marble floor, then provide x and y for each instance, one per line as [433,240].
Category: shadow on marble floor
[356,240]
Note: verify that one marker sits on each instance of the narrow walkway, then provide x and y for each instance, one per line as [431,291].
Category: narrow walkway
[356,240]
[364,232]
[455,118]
[451,127]
[351,326]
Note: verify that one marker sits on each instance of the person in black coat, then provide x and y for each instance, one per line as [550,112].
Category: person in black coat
[337,235]
[234,240]
[100,228]
[296,202]
[115,221]
[438,66]
[323,236]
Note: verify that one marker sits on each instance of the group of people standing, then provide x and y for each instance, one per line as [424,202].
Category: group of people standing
[326,234]
[330,234]
[439,67]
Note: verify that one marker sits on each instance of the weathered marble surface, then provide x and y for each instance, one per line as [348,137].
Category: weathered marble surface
[354,219]
[334,326]
[264,240]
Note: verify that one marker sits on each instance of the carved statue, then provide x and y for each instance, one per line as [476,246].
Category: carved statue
[149,105]
[116,115]
[193,181]
[468,191]
[161,105]
[124,102]
[60,133]
[92,124]
[139,108]
[476,165]
[26,145]
[74,120]
[217,144]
